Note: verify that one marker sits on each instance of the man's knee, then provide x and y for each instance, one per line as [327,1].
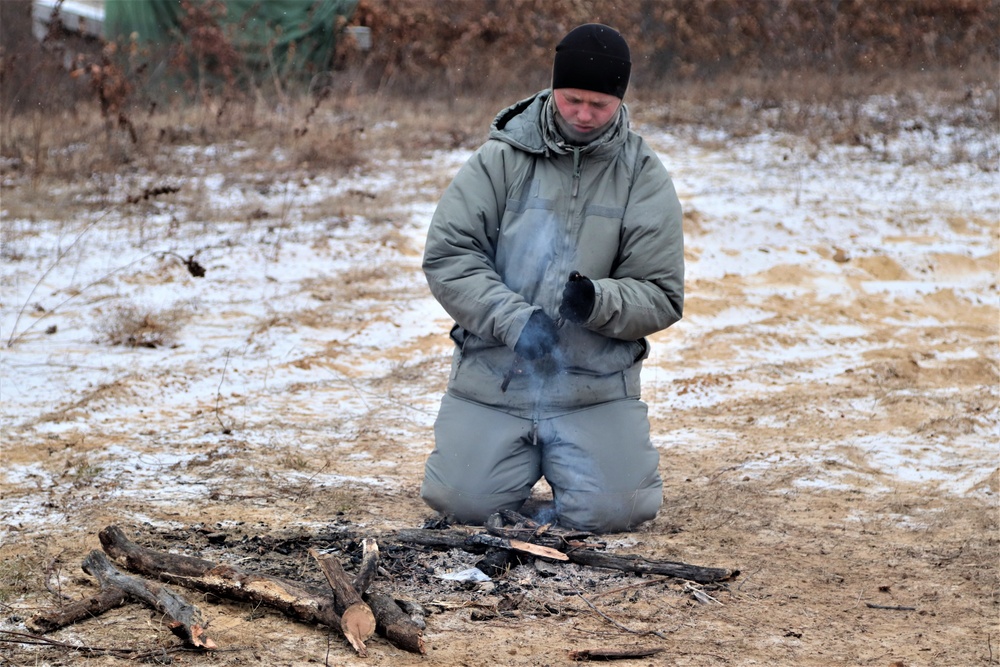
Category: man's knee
[481,462]
[467,507]
[608,512]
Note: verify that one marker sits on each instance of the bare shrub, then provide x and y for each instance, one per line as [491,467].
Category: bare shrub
[335,150]
[112,88]
[207,52]
[131,325]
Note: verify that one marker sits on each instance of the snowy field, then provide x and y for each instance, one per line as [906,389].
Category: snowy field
[839,348]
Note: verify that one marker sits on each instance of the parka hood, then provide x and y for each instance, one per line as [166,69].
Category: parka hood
[526,126]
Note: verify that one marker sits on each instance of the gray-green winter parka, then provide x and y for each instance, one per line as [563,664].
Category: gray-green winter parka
[523,212]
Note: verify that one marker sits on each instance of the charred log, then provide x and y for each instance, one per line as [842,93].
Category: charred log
[641,565]
[457,539]
[613,654]
[369,566]
[185,619]
[357,620]
[299,601]
[395,625]
[80,610]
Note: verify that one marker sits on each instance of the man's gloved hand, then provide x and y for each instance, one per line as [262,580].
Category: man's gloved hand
[538,337]
[578,300]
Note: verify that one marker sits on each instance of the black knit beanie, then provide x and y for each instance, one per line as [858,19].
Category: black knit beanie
[593,57]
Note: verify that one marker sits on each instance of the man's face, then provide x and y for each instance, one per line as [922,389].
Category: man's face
[585,110]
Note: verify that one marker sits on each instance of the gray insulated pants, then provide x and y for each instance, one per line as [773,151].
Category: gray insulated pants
[599,462]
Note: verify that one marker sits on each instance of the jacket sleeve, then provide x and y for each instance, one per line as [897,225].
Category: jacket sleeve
[460,254]
[645,291]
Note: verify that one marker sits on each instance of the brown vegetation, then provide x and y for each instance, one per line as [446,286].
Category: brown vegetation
[458,45]
[132,325]
[439,71]
[452,48]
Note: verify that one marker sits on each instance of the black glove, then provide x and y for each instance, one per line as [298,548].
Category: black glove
[538,337]
[578,300]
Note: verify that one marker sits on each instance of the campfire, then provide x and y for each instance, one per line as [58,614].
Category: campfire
[360,572]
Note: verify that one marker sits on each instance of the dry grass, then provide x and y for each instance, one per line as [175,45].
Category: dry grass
[132,325]
[19,575]
[854,109]
[335,136]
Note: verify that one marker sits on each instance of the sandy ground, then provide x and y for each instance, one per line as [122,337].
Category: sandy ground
[826,412]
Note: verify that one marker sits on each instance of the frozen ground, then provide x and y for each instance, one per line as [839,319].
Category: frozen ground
[834,382]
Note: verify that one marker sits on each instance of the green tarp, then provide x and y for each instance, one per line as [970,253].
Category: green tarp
[291,35]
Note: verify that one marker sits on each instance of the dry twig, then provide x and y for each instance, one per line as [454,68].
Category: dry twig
[616,623]
[889,607]
[26,639]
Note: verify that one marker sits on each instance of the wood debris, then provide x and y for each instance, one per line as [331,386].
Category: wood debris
[351,605]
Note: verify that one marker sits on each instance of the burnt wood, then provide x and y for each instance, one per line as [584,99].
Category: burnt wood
[642,565]
[79,610]
[395,625]
[185,619]
[300,601]
[369,566]
[459,539]
[357,620]
[613,654]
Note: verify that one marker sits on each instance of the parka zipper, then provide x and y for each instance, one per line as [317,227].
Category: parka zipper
[565,252]
[576,171]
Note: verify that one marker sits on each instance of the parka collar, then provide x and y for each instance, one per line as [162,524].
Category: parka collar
[527,125]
